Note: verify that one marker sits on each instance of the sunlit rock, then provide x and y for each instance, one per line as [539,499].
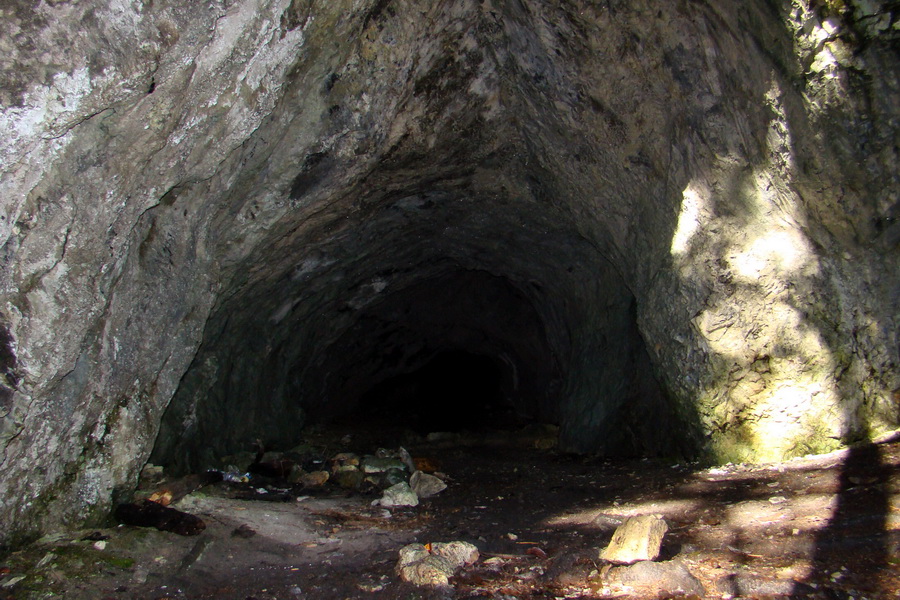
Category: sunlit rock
[636,539]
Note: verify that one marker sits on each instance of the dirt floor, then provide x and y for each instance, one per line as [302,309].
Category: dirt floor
[817,527]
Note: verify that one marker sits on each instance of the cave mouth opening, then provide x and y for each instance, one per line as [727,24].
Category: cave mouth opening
[462,350]
[455,390]
[458,351]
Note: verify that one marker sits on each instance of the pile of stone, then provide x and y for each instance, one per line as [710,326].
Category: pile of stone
[391,472]
[395,472]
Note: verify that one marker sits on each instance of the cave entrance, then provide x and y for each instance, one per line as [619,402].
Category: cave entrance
[462,350]
[455,390]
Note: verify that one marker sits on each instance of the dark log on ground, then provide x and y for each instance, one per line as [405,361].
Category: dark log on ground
[146,513]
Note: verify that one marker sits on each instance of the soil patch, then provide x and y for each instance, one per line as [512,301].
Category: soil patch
[822,527]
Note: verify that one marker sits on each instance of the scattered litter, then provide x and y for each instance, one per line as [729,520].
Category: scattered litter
[173,491]
[236,477]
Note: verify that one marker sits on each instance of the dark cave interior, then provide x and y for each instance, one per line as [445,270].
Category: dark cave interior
[459,350]
[455,390]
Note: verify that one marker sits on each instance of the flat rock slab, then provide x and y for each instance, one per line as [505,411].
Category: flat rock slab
[740,584]
[667,577]
[637,539]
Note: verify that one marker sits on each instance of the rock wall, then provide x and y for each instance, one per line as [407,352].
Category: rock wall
[692,207]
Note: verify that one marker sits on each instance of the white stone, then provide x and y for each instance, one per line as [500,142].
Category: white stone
[425,485]
[398,495]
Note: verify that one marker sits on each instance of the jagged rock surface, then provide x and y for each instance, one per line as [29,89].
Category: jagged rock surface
[637,539]
[659,216]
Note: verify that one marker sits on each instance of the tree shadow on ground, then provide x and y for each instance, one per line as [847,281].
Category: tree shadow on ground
[858,529]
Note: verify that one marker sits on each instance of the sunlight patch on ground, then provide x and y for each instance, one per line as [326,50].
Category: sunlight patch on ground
[666,508]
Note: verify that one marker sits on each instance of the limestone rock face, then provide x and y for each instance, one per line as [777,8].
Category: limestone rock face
[673,226]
